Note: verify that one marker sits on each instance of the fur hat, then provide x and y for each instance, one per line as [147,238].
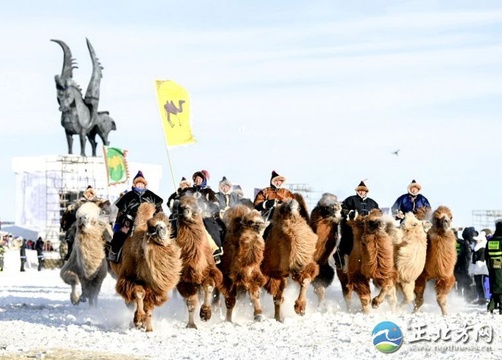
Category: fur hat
[275,176]
[206,174]
[139,178]
[362,187]
[487,231]
[224,182]
[185,183]
[200,174]
[89,193]
[414,184]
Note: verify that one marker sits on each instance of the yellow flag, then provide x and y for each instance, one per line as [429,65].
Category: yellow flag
[174,107]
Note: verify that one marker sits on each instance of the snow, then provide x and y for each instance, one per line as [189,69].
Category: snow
[37,320]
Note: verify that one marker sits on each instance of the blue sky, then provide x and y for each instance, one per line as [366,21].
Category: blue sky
[320,91]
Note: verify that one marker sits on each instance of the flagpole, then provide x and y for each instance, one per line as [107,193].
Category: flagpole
[171,167]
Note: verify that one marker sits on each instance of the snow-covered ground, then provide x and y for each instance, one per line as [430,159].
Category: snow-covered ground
[37,320]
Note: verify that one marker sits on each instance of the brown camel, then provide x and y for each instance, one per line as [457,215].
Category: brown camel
[289,251]
[324,220]
[150,266]
[243,253]
[199,269]
[440,259]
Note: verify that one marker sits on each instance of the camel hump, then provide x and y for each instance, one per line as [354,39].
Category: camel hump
[303,206]
[145,212]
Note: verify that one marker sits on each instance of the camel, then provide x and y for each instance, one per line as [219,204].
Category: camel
[324,221]
[86,265]
[172,109]
[440,259]
[289,251]
[371,258]
[243,253]
[150,266]
[409,255]
[199,271]
[377,260]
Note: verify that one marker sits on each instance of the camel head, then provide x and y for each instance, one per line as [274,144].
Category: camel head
[442,218]
[329,207]
[255,221]
[374,221]
[289,207]
[188,209]
[87,215]
[158,229]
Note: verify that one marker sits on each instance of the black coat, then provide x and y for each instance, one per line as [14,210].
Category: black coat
[355,202]
[129,203]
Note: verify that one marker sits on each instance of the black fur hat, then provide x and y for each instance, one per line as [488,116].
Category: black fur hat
[362,187]
[275,176]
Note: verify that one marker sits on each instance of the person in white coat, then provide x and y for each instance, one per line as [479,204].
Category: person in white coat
[478,268]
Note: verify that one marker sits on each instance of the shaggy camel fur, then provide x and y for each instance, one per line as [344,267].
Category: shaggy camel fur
[324,221]
[353,279]
[86,265]
[289,250]
[199,269]
[377,260]
[409,255]
[150,266]
[371,258]
[243,249]
[440,259]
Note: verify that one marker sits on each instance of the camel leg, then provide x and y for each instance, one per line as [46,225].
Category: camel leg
[139,314]
[278,298]
[301,302]
[192,302]
[392,297]
[230,301]
[255,294]
[71,278]
[320,291]
[360,284]
[408,295]
[346,290]
[443,287]
[148,316]
[205,309]
[419,292]
[385,290]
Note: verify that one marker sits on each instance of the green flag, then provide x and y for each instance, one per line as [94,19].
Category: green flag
[116,165]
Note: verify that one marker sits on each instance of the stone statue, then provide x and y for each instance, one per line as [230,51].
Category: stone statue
[80,116]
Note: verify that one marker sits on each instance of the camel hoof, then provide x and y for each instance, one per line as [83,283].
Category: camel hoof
[205,313]
[191,326]
[375,304]
[300,308]
[259,317]
[75,300]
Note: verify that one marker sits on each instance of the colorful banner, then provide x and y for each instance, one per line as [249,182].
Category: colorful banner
[116,165]
[174,107]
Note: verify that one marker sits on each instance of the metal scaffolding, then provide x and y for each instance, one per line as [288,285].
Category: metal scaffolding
[482,219]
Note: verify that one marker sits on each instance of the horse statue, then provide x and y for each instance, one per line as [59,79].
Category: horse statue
[80,115]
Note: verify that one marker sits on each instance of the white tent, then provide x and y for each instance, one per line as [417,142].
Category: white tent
[19,231]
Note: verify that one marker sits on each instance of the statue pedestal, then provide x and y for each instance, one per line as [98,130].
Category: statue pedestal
[45,185]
